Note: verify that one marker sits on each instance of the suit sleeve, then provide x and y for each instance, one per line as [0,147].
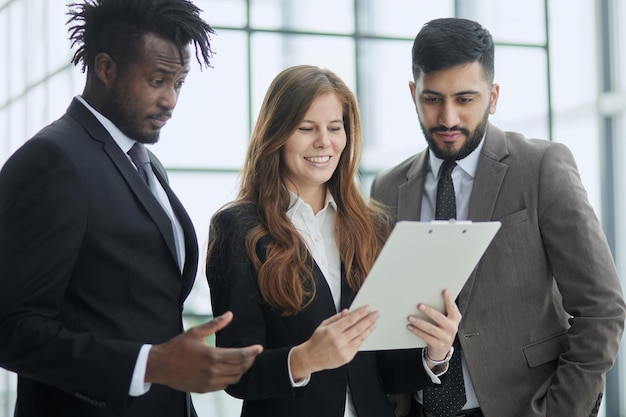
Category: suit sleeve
[233,286]
[586,276]
[43,218]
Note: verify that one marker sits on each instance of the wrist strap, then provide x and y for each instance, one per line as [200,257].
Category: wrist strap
[437,362]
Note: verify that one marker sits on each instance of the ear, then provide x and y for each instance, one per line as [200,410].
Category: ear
[412,89]
[105,69]
[495,92]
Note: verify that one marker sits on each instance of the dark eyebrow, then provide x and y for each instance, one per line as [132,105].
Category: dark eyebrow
[468,93]
[168,72]
[460,93]
[430,92]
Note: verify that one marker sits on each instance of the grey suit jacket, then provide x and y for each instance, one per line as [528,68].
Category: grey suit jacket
[543,312]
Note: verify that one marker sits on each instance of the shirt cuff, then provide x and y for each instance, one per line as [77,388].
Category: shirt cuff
[434,377]
[138,386]
[303,382]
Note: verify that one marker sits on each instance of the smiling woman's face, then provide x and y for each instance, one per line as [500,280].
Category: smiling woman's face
[311,154]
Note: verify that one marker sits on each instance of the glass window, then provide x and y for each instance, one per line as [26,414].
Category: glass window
[16,124]
[54,35]
[390,123]
[619,49]
[5,145]
[59,90]
[223,12]
[511,21]
[335,16]
[523,99]
[18,48]
[401,18]
[5,57]
[573,57]
[34,42]
[271,53]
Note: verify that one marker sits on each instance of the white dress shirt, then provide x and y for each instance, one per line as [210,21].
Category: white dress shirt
[463,179]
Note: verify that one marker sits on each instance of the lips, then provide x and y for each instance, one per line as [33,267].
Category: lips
[159,122]
[450,136]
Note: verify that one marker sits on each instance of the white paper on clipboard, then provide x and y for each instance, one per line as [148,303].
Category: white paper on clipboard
[418,261]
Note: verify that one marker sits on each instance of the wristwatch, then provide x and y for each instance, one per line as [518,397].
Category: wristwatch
[439,362]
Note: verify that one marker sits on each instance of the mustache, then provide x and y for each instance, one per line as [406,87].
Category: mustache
[451,129]
[161,116]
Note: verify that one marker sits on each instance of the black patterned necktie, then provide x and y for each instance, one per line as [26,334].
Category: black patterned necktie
[446,400]
[445,205]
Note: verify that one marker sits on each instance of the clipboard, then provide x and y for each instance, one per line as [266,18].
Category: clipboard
[418,261]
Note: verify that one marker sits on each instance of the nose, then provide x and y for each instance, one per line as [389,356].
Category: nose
[449,115]
[322,140]
[168,98]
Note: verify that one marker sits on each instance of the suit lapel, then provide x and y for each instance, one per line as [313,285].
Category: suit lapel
[489,177]
[409,201]
[128,172]
[191,248]
[347,294]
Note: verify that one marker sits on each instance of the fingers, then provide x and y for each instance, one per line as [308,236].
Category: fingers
[225,366]
[452,313]
[239,355]
[452,310]
[347,319]
[335,341]
[352,328]
[346,326]
[213,326]
[363,326]
[335,318]
[440,331]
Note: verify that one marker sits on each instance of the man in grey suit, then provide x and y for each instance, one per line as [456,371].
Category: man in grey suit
[543,312]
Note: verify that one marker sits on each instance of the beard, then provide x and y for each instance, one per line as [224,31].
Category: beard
[473,138]
[119,108]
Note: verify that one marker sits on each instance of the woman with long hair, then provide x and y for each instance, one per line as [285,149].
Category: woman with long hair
[289,254]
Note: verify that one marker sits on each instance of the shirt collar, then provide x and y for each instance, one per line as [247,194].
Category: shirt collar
[296,204]
[469,164]
[123,141]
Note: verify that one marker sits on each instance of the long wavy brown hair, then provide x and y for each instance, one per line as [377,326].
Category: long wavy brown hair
[285,278]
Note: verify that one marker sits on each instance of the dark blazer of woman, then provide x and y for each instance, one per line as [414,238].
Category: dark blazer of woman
[266,388]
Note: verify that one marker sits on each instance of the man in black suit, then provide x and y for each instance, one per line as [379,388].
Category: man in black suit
[96,261]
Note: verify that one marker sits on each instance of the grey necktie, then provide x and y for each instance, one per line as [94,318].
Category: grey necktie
[445,204]
[139,155]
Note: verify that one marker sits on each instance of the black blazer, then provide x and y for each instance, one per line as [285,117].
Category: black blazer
[266,388]
[88,273]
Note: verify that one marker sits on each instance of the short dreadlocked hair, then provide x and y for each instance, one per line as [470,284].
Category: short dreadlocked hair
[117,27]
